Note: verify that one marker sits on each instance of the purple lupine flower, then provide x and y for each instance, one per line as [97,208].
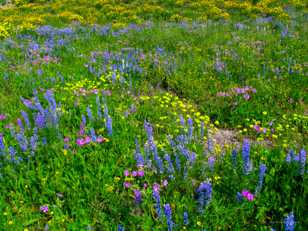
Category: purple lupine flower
[302,160]
[209,142]
[93,135]
[204,193]
[182,120]
[290,156]
[109,125]
[26,119]
[202,131]
[185,218]
[177,162]
[149,130]
[89,112]
[156,198]
[22,141]
[98,104]
[138,156]
[234,157]
[138,196]
[44,209]
[262,170]
[168,214]
[170,168]
[20,125]
[211,162]
[40,121]
[28,103]
[12,152]
[190,128]
[2,146]
[239,197]
[84,120]
[246,156]
[157,159]
[120,227]
[289,222]
[34,139]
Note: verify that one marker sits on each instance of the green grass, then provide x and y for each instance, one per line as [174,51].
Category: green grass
[83,186]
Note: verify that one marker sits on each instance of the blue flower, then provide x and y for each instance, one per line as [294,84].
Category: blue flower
[204,193]
[190,128]
[89,112]
[262,170]
[26,119]
[246,156]
[120,227]
[289,222]
[156,198]
[109,125]
[168,214]
[302,160]
[185,218]
[138,196]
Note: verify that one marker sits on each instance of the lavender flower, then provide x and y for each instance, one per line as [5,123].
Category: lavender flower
[182,120]
[168,214]
[246,156]
[20,125]
[289,222]
[204,193]
[262,170]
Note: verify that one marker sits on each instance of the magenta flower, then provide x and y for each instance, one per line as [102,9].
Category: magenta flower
[140,173]
[248,195]
[127,184]
[100,139]
[80,142]
[66,139]
[44,209]
[126,173]
[134,173]
[87,139]
[2,117]
[156,187]
[257,128]
[165,183]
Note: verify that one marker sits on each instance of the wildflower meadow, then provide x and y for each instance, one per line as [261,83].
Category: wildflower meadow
[153,115]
